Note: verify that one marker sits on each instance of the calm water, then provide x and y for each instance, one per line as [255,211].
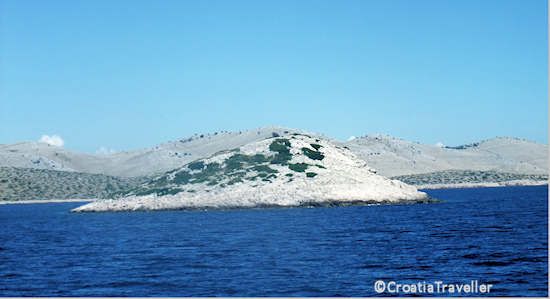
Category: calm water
[494,235]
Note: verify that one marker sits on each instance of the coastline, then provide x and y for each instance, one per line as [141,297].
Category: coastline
[419,187]
[481,185]
[13,202]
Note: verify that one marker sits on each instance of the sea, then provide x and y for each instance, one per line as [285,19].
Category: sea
[476,236]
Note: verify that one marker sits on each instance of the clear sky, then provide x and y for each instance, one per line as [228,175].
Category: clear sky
[132,74]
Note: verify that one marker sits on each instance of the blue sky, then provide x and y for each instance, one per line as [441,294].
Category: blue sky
[131,74]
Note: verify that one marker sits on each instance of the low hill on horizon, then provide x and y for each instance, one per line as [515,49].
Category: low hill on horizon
[390,156]
[395,157]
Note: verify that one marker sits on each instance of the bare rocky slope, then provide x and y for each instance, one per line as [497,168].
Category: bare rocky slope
[396,157]
[291,171]
[494,160]
[17,184]
[143,162]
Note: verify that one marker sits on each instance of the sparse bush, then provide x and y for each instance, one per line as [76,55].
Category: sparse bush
[281,158]
[298,167]
[310,174]
[316,146]
[314,155]
[258,158]
[280,145]
[264,168]
[198,165]
[182,178]
[234,181]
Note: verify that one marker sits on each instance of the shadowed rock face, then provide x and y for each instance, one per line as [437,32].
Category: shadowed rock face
[289,171]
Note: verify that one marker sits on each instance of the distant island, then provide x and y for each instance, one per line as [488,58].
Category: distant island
[39,171]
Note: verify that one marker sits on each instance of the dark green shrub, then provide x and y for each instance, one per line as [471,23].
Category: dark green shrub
[289,174]
[281,158]
[264,168]
[160,181]
[310,174]
[212,167]
[258,158]
[280,145]
[298,167]
[234,162]
[320,166]
[314,155]
[316,146]
[198,165]
[235,180]
[160,191]
[182,177]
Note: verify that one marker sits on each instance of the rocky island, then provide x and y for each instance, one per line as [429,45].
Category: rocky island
[295,170]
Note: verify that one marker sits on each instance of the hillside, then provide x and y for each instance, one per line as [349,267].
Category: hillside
[296,170]
[143,162]
[470,178]
[494,159]
[41,184]
[396,157]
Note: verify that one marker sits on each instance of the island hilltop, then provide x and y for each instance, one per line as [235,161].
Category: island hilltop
[290,171]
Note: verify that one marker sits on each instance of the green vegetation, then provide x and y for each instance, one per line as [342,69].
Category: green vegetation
[235,180]
[310,174]
[466,176]
[314,155]
[160,191]
[235,162]
[316,146]
[289,174]
[196,165]
[182,178]
[282,147]
[264,168]
[298,167]
[43,184]
[320,166]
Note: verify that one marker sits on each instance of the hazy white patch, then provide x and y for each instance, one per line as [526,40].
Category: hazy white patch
[351,138]
[440,144]
[52,140]
[105,151]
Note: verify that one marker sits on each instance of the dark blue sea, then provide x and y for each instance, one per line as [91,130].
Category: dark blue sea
[496,236]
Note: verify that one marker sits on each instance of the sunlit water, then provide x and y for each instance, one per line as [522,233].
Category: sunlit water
[493,235]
